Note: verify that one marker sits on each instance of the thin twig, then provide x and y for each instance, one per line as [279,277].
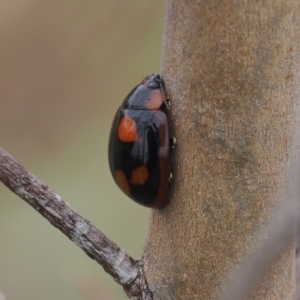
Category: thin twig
[298,257]
[124,269]
[2,296]
[253,269]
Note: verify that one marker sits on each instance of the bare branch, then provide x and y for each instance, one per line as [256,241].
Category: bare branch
[250,273]
[2,297]
[124,269]
[298,257]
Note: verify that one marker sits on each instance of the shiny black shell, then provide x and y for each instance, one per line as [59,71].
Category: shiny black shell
[139,144]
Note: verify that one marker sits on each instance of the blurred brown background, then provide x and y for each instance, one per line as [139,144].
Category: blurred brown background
[65,66]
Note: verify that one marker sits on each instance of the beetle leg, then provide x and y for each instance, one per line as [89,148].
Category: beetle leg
[168,102]
[173,142]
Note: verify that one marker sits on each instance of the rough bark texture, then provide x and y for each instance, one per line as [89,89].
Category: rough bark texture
[231,69]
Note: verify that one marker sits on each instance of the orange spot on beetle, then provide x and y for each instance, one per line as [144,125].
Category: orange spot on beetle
[122,181]
[139,175]
[127,130]
[155,100]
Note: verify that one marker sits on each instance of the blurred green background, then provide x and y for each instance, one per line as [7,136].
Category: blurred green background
[65,67]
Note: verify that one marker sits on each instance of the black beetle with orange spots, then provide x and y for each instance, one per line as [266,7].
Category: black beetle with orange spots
[139,144]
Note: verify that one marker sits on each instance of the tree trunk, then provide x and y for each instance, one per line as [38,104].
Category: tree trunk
[231,71]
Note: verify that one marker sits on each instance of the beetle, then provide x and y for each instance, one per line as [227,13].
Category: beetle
[139,144]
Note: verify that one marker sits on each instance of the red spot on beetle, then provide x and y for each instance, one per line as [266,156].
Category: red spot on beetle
[139,175]
[127,130]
